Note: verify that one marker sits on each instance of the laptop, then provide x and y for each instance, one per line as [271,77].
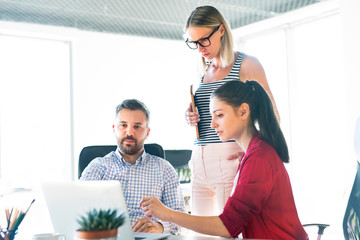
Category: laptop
[67,201]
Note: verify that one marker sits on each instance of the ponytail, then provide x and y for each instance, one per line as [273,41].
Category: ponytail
[262,113]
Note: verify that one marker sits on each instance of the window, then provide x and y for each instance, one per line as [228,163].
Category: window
[35,119]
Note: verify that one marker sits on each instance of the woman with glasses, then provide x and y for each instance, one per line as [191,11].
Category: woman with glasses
[214,163]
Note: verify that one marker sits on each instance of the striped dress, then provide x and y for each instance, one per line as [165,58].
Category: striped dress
[202,101]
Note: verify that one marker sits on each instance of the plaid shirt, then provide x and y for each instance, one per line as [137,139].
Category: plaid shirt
[149,176]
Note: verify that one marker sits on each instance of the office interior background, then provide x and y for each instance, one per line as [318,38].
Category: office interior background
[59,88]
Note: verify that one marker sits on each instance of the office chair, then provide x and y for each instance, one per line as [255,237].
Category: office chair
[320,226]
[179,160]
[87,154]
[351,222]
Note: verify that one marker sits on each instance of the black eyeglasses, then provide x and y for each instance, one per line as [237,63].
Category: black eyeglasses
[204,42]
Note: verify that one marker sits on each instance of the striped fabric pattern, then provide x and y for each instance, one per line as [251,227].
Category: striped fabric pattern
[202,100]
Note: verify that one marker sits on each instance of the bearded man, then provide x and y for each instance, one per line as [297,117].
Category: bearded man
[141,174]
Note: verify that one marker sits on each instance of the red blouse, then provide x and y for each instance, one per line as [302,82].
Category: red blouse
[262,204]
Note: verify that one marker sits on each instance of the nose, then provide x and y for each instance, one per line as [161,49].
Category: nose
[213,124]
[200,48]
[130,131]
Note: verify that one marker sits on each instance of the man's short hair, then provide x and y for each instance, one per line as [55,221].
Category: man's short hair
[134,104]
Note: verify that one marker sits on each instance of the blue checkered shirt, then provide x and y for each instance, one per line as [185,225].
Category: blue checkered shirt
[149,176]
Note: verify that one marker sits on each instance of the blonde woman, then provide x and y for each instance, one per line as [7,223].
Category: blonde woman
[214,163]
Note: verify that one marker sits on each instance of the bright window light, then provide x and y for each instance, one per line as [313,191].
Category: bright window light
[35,132]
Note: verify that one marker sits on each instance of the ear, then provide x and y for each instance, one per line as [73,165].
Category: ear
[244,111]
[222,29]
[113,127]
[147,132]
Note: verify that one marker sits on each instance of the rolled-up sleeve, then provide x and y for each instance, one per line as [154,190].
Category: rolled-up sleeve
[252,190]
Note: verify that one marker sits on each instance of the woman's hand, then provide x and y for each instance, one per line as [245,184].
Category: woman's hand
[211,225]
[146,225]
[192,116]
[235,156]
[152,207]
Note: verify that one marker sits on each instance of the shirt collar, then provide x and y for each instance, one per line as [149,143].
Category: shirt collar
[122,160]
[255,138]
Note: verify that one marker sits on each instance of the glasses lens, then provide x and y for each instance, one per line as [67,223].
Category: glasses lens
[191,45]
[205,42]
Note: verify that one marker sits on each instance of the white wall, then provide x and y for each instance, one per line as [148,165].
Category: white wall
[351,35]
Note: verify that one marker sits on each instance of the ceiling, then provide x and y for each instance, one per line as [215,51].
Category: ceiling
[150,18]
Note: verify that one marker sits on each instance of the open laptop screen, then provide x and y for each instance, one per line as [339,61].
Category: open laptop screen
[67,201]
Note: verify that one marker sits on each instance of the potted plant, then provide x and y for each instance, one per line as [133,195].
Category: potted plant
[100,224]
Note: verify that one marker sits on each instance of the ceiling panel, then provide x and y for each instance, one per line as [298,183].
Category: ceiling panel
[150,18]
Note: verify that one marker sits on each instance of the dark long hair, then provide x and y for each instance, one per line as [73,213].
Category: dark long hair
[262,113]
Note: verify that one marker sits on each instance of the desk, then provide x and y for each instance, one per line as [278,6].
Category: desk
[38,219]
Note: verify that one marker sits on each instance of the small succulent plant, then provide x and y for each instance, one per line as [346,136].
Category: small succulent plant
[96,220]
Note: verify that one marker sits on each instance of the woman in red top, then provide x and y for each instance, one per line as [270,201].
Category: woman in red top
[261,204]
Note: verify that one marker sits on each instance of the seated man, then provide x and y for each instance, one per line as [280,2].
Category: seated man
[140,173]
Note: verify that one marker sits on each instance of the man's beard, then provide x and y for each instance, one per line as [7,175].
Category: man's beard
[130,149]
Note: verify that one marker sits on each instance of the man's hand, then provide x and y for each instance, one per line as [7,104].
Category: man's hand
[144,224]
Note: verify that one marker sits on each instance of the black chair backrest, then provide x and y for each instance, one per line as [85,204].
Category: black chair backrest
[351,223]
[89,153]
[178,158]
